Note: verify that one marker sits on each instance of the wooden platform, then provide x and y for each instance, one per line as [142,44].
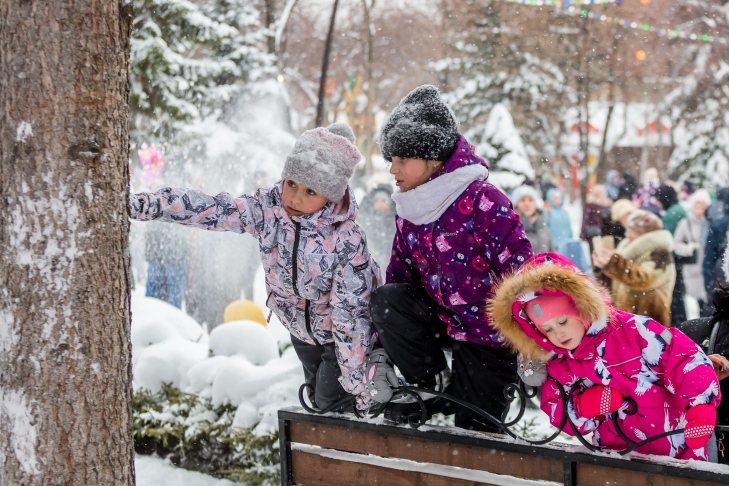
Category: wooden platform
[325,450]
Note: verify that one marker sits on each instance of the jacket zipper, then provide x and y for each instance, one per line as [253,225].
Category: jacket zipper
[294,275]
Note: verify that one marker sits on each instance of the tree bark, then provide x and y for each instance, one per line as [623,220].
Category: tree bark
[65,368]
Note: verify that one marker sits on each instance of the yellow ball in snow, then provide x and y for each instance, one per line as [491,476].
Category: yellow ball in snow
[244,310]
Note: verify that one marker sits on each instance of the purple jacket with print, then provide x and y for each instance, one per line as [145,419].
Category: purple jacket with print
[460,257]
[319,273]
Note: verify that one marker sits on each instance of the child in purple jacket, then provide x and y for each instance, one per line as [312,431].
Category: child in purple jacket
[456,236]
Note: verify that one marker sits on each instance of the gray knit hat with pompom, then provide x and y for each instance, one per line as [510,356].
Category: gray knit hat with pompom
[323,159]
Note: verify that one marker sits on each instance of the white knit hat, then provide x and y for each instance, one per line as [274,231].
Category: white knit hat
[323,159]
[523,191]
[701,195]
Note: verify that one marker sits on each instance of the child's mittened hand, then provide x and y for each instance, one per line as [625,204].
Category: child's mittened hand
[599,400]
[380,377]
[532,372]
[700,423]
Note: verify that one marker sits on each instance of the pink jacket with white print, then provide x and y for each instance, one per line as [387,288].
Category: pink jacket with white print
[319,273]
[663,370]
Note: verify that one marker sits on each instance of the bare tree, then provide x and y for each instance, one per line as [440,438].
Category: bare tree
[369,127]
[65,371]
[325,66]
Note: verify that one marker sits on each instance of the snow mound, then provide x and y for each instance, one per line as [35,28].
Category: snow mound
[154,321]
[167,362]
[237,364]
[247,339]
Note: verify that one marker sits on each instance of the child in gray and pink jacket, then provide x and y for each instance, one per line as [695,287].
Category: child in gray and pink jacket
[319,273]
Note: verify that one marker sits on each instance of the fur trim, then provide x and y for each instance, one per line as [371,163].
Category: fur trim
[588,297]
[645,243]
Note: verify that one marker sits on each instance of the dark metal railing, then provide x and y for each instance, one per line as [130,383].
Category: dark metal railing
[520,391]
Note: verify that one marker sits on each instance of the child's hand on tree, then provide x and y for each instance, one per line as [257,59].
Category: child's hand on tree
[721,365]
[599,400]
[700,422]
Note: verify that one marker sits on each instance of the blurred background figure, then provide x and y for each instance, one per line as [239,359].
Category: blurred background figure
[673,212]
[556,218]
[166,253]
[716,208]
[641,268]
[613,184]
[687,188]
[629,187]
[688,240]
[716,239]
[527,205]
[377,217]
[615,225]
[595,212]
[645,196]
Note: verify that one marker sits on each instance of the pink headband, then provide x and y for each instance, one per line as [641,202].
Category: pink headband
[546,307]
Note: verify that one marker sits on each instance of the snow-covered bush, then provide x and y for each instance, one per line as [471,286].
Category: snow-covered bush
[197,435]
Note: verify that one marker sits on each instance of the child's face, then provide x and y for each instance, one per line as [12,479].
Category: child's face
[527,206]
[564,332]
[299,200]
[410,173]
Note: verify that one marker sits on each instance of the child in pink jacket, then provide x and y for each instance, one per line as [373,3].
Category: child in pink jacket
[552,311]
[319,273]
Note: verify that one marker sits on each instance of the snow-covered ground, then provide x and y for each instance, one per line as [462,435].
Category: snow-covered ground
[153,471]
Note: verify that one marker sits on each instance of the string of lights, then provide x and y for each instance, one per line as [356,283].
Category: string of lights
[568,7]
[557,3]
[670,33]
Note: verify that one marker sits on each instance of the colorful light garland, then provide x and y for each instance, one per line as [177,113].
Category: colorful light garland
[568,6]
[565,3]
[670,33]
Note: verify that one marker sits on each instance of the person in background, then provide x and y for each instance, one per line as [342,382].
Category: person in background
[673,213]
[557,219]
[596,210]
[528,206]
[641,268]
[645,196]
[546,183]
[629,187]
[716,209]
[377,217]
[687,188]
[667,199]
[615,226]
[714,248]
[688,238]
[166,251]
[612,186]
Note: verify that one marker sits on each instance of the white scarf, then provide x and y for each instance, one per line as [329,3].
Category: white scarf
[427,202]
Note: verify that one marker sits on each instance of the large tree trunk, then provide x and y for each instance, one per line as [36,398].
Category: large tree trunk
[65,371]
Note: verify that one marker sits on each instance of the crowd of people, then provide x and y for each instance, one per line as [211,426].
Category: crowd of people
[474,272]
[663,241]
